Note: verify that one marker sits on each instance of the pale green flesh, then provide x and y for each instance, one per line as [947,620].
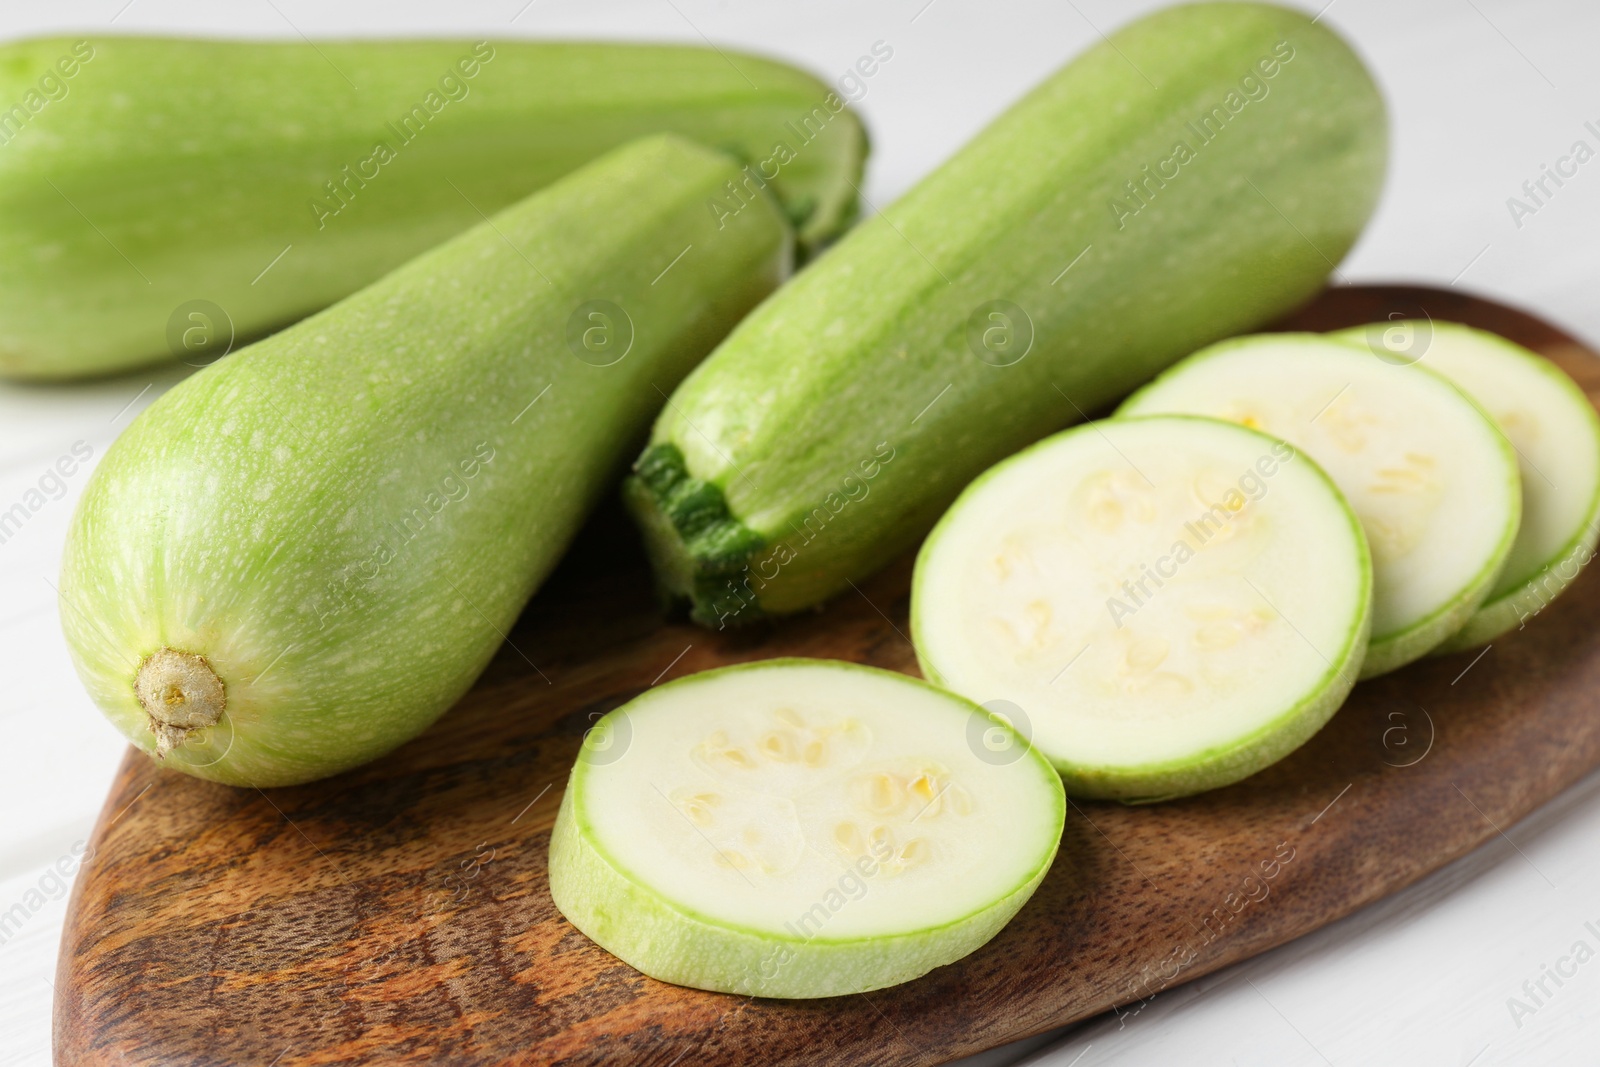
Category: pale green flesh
[835,425]
[176,171]
[800,828]
[1556,433]
[1173,603]
[1432,480]
[346,518]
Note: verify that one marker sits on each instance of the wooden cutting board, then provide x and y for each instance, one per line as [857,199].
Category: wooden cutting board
[400,914]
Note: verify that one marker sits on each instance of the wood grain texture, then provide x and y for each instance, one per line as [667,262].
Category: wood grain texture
[400,913]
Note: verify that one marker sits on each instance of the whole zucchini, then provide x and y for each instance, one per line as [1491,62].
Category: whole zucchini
[1193,177]
[299,557]
[168,196]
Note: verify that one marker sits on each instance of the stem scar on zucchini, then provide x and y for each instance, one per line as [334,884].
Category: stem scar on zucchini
[180,693]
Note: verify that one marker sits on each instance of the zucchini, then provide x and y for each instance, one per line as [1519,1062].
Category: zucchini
[1556,433]
[180,193]
[303,554]
[1194,176]
[1434,483]
[800,828]
[1173,603]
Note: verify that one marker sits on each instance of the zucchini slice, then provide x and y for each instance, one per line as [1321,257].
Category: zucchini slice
[1434,483]
[800,828]
[1553,427]
[1169,604]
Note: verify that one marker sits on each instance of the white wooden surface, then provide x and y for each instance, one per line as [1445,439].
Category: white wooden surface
[1482,92]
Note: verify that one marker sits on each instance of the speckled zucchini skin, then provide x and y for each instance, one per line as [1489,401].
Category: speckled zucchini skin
[1065,255]
[161,172]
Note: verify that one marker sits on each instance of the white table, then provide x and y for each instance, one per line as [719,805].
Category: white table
[1482,93]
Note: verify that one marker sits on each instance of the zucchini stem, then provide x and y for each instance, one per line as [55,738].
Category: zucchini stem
[698,548]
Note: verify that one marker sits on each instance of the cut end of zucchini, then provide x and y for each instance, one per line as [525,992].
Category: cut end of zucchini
[697,549]
[800,828]
[180,693]
[1173,603]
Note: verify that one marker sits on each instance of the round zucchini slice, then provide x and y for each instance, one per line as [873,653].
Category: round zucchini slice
[1431,478]
[1165,605]
[800,828]
[1553,427]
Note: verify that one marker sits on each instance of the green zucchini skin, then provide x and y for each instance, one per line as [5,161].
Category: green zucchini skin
[174,171]
[834,426]
[346,518]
